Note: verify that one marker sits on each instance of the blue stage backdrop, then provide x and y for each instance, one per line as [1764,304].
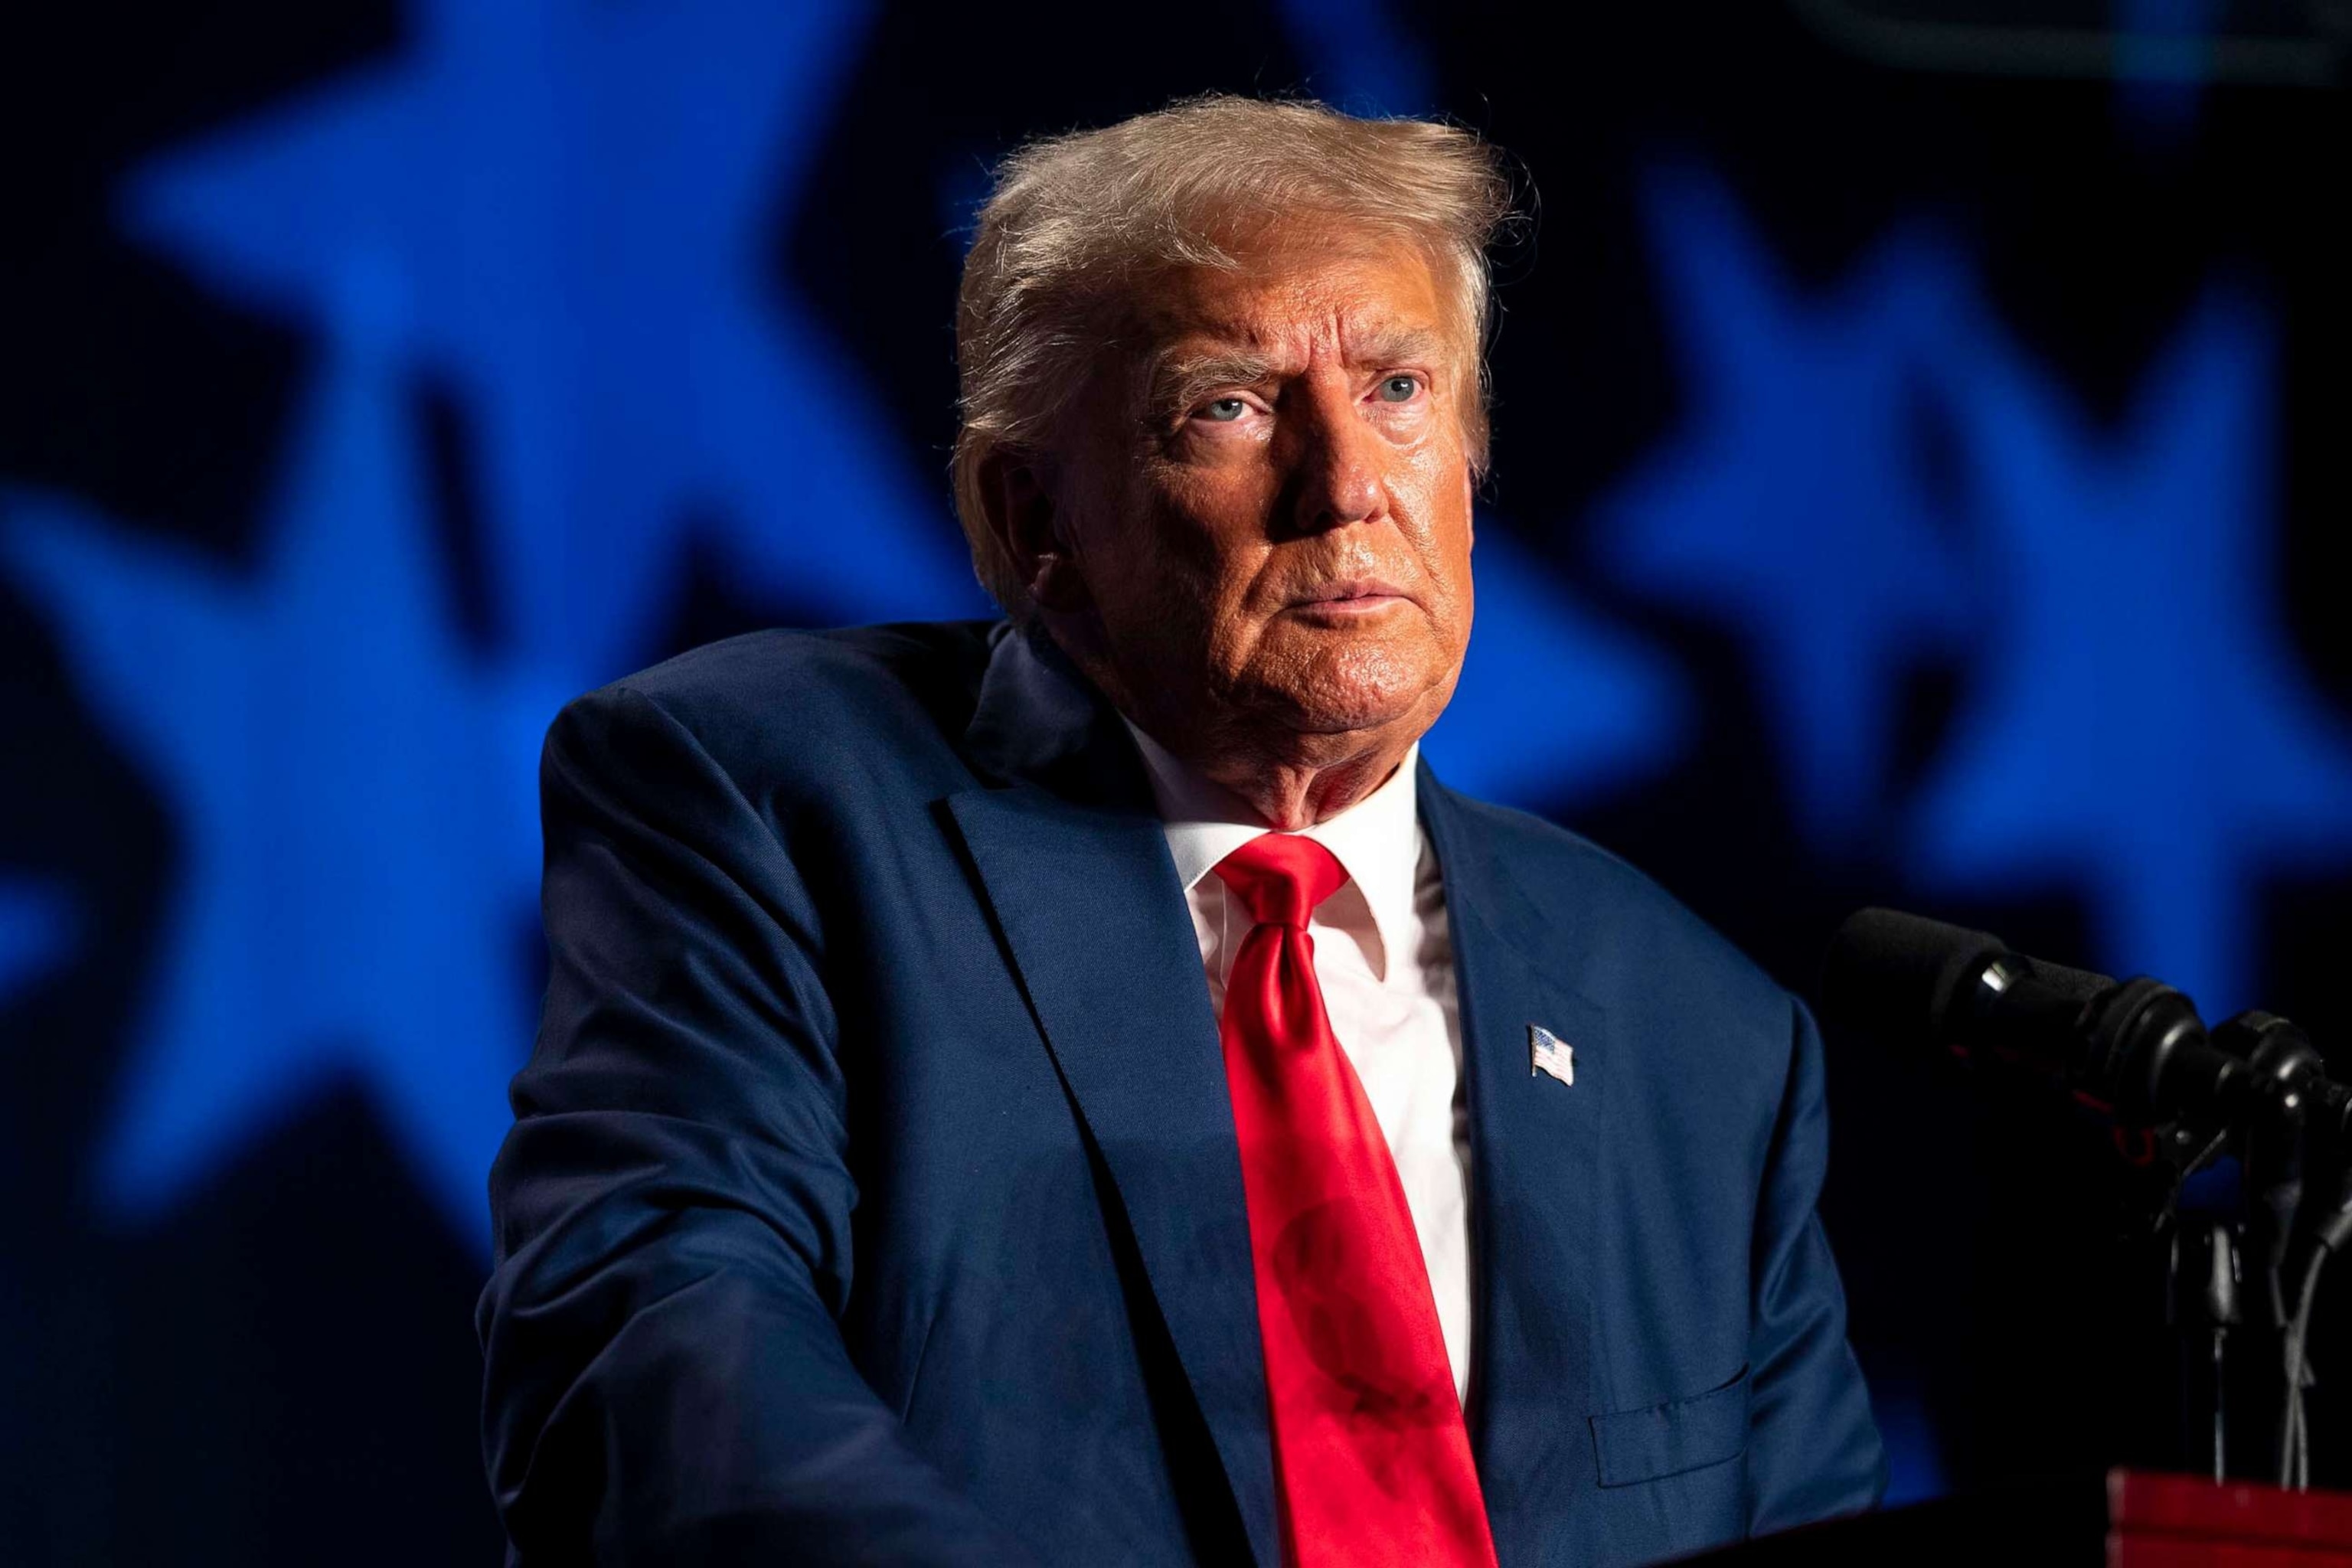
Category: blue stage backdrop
[1921,441]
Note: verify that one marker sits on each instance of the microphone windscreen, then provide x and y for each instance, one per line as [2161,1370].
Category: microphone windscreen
[1895,976]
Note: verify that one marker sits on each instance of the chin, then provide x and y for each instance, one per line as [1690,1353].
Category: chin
[1367,689]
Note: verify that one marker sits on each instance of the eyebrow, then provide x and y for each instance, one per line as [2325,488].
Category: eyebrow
[1179,380]
[1401,344]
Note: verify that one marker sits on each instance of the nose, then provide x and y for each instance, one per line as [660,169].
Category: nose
[1338,470]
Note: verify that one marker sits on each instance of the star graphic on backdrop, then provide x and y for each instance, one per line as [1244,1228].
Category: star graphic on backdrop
[354,807]
[2139,730]
[576,200]
[38,927]
[1793,504]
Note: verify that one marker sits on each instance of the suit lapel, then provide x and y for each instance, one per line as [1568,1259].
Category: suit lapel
[1537,1162]
[1095,924]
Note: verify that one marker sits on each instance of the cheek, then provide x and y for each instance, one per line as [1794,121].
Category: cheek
[1173,569]
[1210,526]
[1435,491]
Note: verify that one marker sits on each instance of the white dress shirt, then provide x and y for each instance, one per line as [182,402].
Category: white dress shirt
[1385,962]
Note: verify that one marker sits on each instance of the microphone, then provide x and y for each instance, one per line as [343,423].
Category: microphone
[2133,1049]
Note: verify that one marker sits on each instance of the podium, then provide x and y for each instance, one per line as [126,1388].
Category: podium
[2127,1518]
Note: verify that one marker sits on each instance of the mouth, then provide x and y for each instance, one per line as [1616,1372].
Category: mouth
[1348,599]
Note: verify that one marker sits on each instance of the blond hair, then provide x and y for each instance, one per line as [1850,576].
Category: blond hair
[1075,220]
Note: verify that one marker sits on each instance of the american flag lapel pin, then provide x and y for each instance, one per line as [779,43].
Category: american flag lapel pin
[1547,1052]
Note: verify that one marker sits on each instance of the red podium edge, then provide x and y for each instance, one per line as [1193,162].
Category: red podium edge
[2189,1521]
[2141,1502]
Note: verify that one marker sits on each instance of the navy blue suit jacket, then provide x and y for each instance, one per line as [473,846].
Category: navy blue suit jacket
[873,1193]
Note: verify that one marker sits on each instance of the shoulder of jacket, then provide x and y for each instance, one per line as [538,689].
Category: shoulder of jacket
[766,698]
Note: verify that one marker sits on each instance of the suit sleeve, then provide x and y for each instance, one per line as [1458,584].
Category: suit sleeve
[665,1380]
[1814,1450]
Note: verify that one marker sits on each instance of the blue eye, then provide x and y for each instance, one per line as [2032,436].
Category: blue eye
[1225,410]
[1399,389]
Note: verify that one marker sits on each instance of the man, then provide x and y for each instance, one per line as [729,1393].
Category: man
[1079,1089]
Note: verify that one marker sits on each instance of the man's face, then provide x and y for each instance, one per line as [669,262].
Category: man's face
[1271,514]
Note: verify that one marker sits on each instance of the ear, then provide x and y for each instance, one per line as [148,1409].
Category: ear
[1031,528]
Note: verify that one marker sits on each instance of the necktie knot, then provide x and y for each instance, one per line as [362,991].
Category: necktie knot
[1281,877]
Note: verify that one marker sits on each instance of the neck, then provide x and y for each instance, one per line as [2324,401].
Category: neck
[1289,778]
[1291,795]
[1281,790]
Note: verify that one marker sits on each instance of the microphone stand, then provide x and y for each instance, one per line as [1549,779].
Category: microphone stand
[2260,1107]
[2320,1234]
[2252,1094]
[2273,1113]
[2204,1306]
[2201,1259]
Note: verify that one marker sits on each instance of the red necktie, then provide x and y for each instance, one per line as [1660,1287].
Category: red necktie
[1371,1456]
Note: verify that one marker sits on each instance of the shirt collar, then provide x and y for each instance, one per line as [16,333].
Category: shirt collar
[1377,841]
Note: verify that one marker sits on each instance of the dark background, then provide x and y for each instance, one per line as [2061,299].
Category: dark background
[1921,449]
